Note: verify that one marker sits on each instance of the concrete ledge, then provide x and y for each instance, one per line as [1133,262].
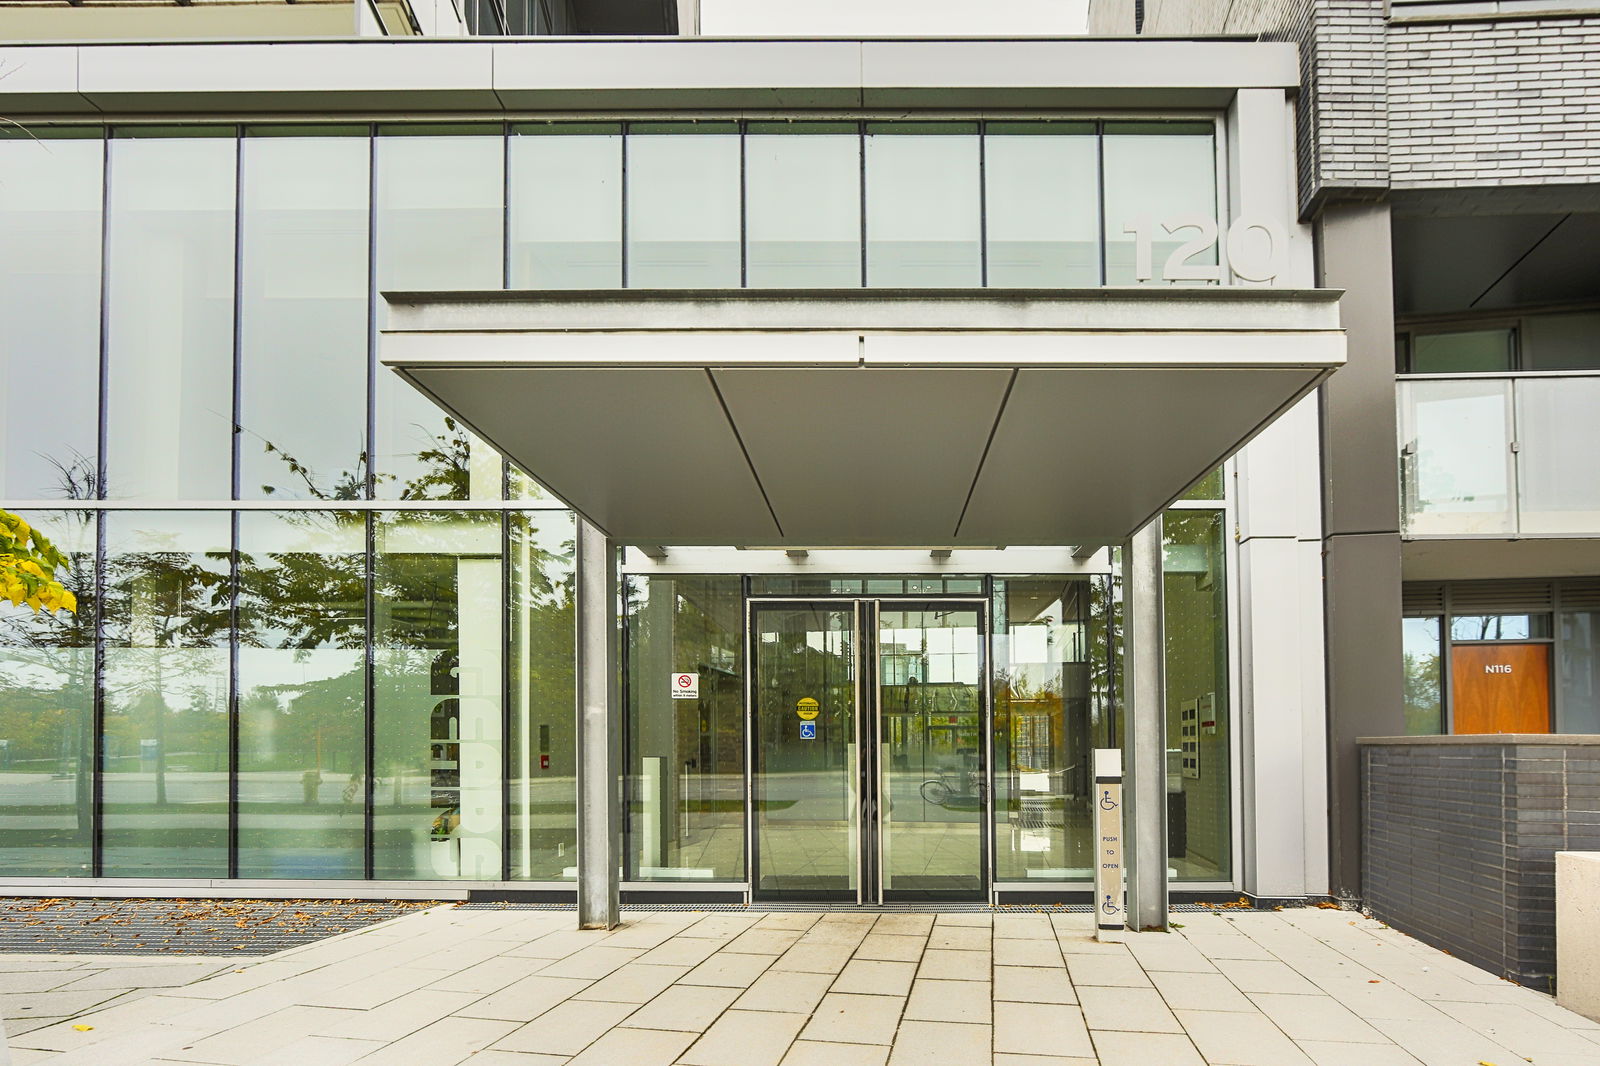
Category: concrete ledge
[390,75]
[1578,932]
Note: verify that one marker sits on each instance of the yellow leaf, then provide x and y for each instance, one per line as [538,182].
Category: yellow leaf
[83,1028]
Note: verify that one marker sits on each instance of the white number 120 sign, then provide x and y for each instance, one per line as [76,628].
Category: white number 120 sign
[1253,250]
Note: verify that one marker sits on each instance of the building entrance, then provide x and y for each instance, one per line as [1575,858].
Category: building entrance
[869,766]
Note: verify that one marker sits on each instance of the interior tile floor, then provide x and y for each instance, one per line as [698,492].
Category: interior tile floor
[524,988]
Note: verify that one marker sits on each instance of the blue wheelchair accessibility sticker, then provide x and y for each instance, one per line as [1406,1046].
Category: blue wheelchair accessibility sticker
[808,731]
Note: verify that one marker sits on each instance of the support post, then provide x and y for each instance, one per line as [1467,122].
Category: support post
[1145,725]
[599,728]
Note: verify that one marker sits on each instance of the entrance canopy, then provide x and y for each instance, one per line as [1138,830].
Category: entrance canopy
[866,418]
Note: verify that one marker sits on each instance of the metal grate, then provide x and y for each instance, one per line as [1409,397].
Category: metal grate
[1421,598]
[1500,597]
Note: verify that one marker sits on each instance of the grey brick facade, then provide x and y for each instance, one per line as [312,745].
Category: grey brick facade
[1437,103]
[1509,102]
[1459,841]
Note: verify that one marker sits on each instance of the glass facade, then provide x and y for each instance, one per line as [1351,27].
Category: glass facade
[243,262]
[170,213]
[47,718]
[685,761]
[364,668]
[1424,676]
[1047,723]
[303,251]
[1053,656]
[1199,751]
[50,217]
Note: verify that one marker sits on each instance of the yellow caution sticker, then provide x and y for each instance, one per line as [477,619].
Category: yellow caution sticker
[807,709]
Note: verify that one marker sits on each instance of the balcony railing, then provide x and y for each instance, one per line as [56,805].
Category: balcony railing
[1507,455]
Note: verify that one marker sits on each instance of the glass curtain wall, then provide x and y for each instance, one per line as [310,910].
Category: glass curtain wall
[1199,756]
[169,313]
[440,224]
[166,739]
[923,205]
[802,191]
[302,680]
[1424,675]
[685,757]
[47,686]
[683,205]
[541,742]
[1045,724]
[303,251]
[1042,232]
[438,695]
[50,201]
[565,199]
[1160,202]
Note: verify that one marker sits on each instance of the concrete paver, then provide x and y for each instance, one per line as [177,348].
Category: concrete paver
[521,988]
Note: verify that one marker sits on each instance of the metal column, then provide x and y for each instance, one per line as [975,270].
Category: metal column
[599,728]
[1145,728]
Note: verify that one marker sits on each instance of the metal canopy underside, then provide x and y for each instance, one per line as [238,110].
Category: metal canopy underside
[866,418]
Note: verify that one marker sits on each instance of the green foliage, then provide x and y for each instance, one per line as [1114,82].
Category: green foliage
[28,564]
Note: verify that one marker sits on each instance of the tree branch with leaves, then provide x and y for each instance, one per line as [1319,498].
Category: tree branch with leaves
[28,564]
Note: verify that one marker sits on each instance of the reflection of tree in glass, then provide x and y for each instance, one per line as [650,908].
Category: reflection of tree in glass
[163,603]
[1422,693]
[47,688]
[299,602]
[446,474]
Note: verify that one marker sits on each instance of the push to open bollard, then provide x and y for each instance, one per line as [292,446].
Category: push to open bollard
[1111,915]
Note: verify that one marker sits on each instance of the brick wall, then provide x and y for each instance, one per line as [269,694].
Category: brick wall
[1513,102]
[1341,111]
[1476,102]
[1459,836]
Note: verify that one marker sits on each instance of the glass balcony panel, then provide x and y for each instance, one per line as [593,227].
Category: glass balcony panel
[1558,482]
[1455,454]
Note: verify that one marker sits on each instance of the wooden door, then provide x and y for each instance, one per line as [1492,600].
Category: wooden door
[1501,688]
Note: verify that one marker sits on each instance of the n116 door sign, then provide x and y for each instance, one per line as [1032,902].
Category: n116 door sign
[685,686]
[1253,249]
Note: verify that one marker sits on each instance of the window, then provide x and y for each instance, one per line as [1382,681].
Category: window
[303,314]
[441,225]
[50,199]
[47,690]
[1042,204]
[1424,676]
[685,761]
[683,205]
[169,314]
[1464,352]
[302,685]
[1161,176]
[167,629]
[922,205]
[566,206]
[1199,754]
[438,762]
[803,205]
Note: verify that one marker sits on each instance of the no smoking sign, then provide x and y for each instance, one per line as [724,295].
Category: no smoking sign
[685,686]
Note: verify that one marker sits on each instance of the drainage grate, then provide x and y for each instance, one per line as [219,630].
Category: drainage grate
[184,926]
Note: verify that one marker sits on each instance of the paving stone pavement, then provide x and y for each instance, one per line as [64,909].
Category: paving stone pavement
[523,988]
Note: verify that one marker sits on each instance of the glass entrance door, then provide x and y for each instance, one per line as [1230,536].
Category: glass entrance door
[869,776]
[932,772]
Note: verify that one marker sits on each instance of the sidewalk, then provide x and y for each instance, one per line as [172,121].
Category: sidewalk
[523,988]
